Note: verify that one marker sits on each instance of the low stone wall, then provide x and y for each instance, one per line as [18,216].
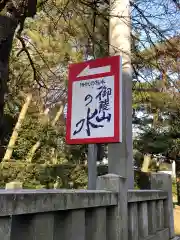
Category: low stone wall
[109,213]
[54,214]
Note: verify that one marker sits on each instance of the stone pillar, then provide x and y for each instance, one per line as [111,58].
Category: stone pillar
[5,228]
[117,216]
[73,227]
[133,229]
[96,224]
[6,223]
[160,181]
[14,185]
[143,220]
[120,155]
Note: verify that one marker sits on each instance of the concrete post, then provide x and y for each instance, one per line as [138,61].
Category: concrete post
[14,185]
[6,224]
[143,220]
[120,157]
[160,181]
[75,225]
[133,228]
[152,218]
[5,228]
[96,224]
[117,217]
[160,214]
[92,166]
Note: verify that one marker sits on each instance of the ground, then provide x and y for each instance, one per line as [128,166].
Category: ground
[177,220]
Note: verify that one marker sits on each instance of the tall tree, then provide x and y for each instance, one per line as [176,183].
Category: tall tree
[14,13]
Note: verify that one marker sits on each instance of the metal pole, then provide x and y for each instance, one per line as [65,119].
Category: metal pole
[92,166]
[120,157]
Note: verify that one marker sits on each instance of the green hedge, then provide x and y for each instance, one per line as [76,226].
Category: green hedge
[43,175]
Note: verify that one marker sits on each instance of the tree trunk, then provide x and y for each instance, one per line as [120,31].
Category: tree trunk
[15,13]
[174,169]
[36,146]
[146,163]
[7,30]
[15,133]
[32,151]
[58,114]
[54,159]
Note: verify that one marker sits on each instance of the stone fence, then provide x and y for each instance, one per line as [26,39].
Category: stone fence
[109,213]
[147,215]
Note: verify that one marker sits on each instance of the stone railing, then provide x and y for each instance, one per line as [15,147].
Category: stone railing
[54,214]
[110,213]
[150,212]
[148,215]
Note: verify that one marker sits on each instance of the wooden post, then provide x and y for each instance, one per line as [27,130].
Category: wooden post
[120,157]
[117,217]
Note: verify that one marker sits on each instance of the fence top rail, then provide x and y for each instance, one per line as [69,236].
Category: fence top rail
[146,195]
[15,202]
[40,191]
